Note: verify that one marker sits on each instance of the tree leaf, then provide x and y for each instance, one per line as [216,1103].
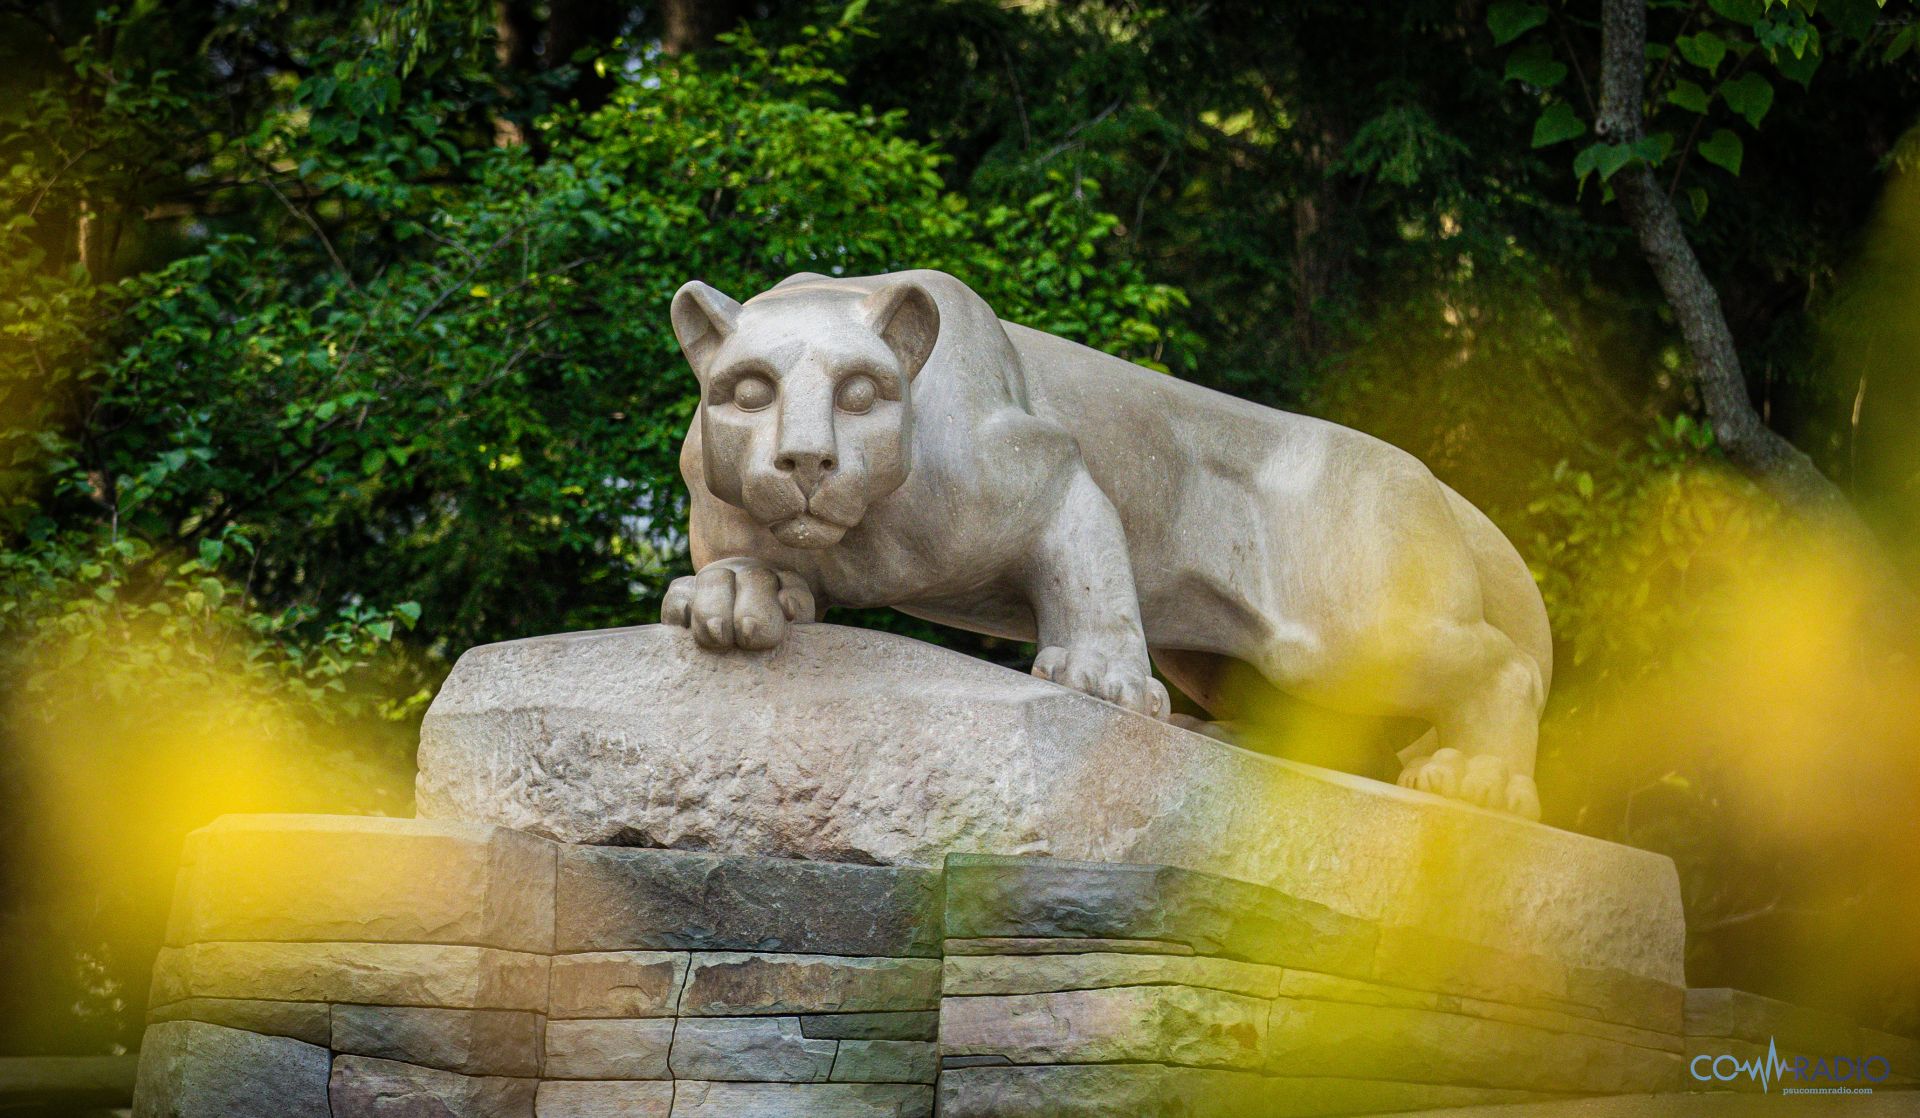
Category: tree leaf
[1750,95]
[1611,158]
[1698,196]
[1740,11]
[1536,66]
[1723,149]
[1510,19]
[1557,124]
[1705,50]
[1689,96]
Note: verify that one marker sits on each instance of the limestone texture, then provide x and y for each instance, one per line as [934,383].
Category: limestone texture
[967,975]
[189,1069]
[370,1088]
[1158,1091]
[855,746]
[616,984]
[1424,1046]
[355,973]
[749,1050]
[611,898]
[886,1061]
[905,1025]
[1171,1024]
[1054,898]
[472,1041]
[308,1021]
[584,1098]
[361,878]
[609,1049]
[729,984]
[801,1100]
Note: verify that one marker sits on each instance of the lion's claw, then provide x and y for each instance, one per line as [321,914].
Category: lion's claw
[1104,677]
[737,604]
[1485,780]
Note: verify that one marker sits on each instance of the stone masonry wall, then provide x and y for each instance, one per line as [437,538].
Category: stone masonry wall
[354,968]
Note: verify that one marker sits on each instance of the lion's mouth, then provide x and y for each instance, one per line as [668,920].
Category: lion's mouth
[807,529]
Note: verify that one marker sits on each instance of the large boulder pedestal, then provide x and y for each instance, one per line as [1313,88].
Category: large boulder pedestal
[860,876]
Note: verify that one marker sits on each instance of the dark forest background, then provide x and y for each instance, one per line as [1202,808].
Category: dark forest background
[333,341]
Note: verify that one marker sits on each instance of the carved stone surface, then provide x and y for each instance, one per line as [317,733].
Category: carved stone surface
[189,1069]
[609,1049]
[859,746]
[355,973]
[751,1050]
[1417,1045]
[801,1100]
[370,1088]
[616,984]
[1127,1024]
[886,1061]
[604,1099]
[308,1021]
[472,1041]
[342,877]
[726,984]
[888,441]
[1159,1091]
[968,975]
[612,898]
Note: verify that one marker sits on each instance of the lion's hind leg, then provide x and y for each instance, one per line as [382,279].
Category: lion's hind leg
[1486,725]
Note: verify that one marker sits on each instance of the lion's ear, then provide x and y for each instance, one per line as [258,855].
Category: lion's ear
[906,318]
[702,319]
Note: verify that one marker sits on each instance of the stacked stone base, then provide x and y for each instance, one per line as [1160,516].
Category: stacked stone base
[353,968]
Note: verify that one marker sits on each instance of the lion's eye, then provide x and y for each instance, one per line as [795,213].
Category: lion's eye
[752,393]
[856,394]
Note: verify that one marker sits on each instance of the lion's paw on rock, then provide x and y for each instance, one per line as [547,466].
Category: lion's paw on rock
[747,606]
[1484,780]
[1104,677]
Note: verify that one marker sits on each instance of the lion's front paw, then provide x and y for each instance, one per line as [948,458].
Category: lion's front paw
[1104,677]
[1485,780]
[737,605]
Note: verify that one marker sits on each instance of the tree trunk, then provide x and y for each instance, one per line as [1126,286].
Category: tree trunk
[690,25]
[1755,449]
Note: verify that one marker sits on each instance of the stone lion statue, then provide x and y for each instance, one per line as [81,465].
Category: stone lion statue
[889,441]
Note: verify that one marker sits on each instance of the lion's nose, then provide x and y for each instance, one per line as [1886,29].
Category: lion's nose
[806,467]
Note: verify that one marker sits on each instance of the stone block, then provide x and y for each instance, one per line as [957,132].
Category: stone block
[354,973]
[733,984]
[472,1041]
[585,1098]
[1158,1091]
[1170,1024]
[801,1100]
[1722,1012]
[1050,897]
[189,1069]
[1333,988]
[905,1025]
[609,1049]
[1056,945]
[362,878]
[307,1021]
[1630,999]
[368,1088]
[964,976]
[886,1061]
[749,1049]
[850,745]
[617,984]
[613,899]
[1425,1046]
